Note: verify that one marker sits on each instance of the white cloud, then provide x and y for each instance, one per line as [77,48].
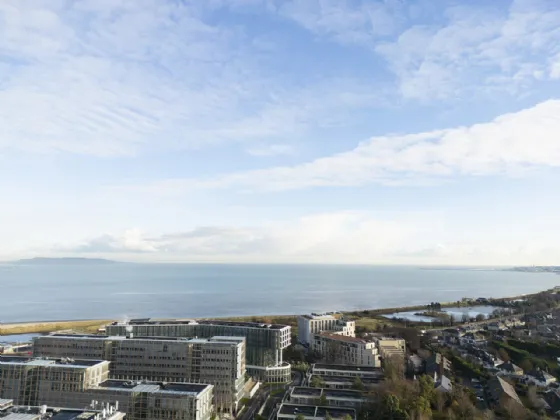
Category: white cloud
[353,237]
[115,78]
[509,145]
[478,50]
[345,21]
[131,240]
[337,237]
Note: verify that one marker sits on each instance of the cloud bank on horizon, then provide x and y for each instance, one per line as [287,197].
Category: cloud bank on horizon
[281,131]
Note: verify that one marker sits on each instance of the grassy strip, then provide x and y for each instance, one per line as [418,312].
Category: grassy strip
[88,326]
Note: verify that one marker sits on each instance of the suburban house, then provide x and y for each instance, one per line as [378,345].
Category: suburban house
[437,364]
[509,368]
[540,377]
[501,392]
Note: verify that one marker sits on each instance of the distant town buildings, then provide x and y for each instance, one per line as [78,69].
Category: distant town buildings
[264,342]
[309,325]
[219,361]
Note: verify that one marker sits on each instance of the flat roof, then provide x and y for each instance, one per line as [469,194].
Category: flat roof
[214,339]
[349,379]
[315,411]
[38,361]
[351,368]
[183,388]
[343,338]
[307,391]
[154,321]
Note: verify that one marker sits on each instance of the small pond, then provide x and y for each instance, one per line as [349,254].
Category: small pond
[457,312]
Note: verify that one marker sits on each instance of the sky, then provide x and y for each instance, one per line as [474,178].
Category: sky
[281,131]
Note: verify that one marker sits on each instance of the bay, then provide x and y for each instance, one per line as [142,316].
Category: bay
[120,291]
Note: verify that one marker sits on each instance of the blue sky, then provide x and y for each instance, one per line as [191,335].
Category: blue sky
[387,132]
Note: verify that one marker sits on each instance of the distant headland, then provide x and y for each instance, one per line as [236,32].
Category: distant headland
[64,261]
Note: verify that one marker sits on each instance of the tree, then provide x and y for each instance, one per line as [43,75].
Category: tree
[393,367]
[480,317]
[317,382]
[451,319]
[328,416]
[358,384]
[526,365]
[300,417]
[347,417]
[465,318]
[503,354]
[323,400]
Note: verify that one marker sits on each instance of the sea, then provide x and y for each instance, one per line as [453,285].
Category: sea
[124,291]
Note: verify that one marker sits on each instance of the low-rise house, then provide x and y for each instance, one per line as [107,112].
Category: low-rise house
[313,412]
[443,384]
[552,399]
[415,364]
[511,369]
[500,392]
[473,338]
[496,326]
[437,364]
[540,377]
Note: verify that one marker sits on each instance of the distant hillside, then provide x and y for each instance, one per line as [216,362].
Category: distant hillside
[64,261]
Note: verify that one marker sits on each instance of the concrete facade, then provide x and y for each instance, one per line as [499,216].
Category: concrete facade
[309,325]
[219,361]
[346,350]
[264,342]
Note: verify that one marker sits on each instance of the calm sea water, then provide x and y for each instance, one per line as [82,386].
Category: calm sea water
[30,293]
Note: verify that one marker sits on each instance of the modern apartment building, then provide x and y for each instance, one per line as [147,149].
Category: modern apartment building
[9,411]
[264,342]
[76,383]
[219,361]
[309,325]
[391,347]
[345,350]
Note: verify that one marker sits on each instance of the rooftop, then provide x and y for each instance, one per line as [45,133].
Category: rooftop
[160,387]
[39,413]
[318,316]
[347,368]
[153,321]
[314,411]
[343,338]
[38,361]
[350,380]
[146,338]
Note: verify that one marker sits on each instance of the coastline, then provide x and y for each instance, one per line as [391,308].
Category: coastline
[92,325]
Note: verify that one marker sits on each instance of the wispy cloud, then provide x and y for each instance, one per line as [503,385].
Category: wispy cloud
[509,145]
[476,50]
[119,78]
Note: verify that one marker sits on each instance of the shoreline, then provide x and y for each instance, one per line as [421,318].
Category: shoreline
[92,325]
